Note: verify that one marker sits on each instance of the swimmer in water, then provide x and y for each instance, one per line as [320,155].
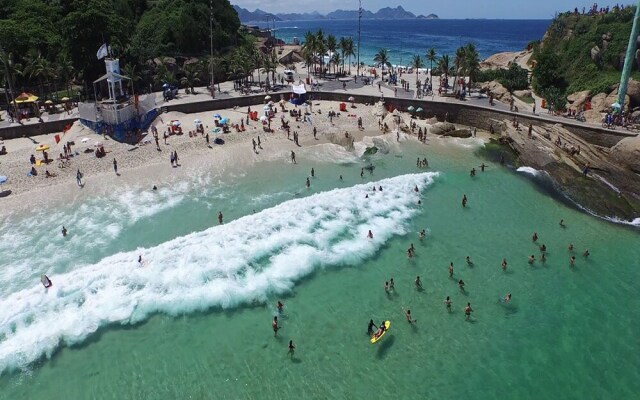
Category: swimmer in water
[532,258]
[482,167]
[370,327]
[154,187]
[573,260]
[386,286]
[447,302]
[220,217]
[419,202]
[415,189]
[423,233]
[570,246]
[543,248]
[292,348]
[468,310]
[418,282]
[451,270]
[409,319]
[313,172]
[340,177]
[469,262]
[507,298]
[374,188]
[380,188]
[392,285]
[64,231]
[280,306]
[535,236]
[308,183]
[461,284]
[464,200]
[543,258]
[370,235]
[504,264]
[413,249]
[140,259]
[275,326]
[586,253]
[409,253]
[366,196]
[562,223]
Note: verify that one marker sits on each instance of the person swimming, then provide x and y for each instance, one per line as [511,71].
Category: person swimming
[532,258]
[447,302]
[570,246]
[46,282]
[469,262]
[451,269]
[535,236]
[423,233]
[370,327]
[418,282]
[562,223]
[275,326]
[507,298]
[543,248]
[140,259]
[292,348]
[586,253]
[370,235]
[468,310]
[280,306]
[409,318]
[504,264]
[308,184]
[386,286]
[461,284]
[415,189]
[572,260]
[464,200]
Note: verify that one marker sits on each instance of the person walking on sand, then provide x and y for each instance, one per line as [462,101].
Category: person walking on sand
[79,177]
[292,348]
[259,144]
[293,157]
[115,166]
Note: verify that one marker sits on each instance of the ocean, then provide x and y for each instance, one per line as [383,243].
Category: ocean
[194,321]
[405,38]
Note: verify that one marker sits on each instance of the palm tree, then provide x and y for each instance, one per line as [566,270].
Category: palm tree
[34,68]
[342,44]
[431,57]
[66,71]
[460,65]
[382,58]
[309,50]
[336,59]
[191,76]
[332,46]
[270,65]
[348,50]
[444,66]
[129,70]
[417,63]
[472,61]
[320,48]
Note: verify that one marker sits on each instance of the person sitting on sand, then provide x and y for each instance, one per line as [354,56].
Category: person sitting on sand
[33,172]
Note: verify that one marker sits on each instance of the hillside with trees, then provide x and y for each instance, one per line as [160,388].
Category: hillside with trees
[51,45]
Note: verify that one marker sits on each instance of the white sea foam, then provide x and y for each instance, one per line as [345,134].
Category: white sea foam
[529,170]
[224,266]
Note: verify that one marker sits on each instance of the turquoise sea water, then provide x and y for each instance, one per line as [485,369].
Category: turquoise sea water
[194,320]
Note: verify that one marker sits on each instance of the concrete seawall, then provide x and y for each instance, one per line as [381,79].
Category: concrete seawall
[477,115]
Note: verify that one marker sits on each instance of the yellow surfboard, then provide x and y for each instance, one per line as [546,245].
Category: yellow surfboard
[387,325]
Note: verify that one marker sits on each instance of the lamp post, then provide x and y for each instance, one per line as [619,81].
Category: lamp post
[213,87]
[359,18]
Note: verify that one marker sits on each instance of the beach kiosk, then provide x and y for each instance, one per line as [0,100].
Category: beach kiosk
[299,93]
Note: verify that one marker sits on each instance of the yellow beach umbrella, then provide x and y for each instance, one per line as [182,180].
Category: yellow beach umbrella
[42,147]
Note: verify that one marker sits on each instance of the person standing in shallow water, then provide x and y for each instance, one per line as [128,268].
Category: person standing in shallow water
[292,348]
[293,157]
[464,200]
[467,311]
[220,217]
[313,172]
[275,326]
[308,184]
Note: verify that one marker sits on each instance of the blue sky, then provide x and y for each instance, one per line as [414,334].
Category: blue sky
[500,9]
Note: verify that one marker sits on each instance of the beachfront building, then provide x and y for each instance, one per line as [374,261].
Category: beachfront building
[116,112]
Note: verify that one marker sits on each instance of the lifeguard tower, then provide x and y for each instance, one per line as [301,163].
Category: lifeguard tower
[117,112]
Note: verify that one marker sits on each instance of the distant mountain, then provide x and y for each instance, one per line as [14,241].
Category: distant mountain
[430,16]
[384,13]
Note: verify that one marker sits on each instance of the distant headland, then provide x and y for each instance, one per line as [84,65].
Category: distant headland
[383,13]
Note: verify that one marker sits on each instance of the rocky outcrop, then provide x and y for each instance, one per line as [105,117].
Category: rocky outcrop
[500,93]
[627,153]
[441,128]
[578,100]
[504,60]
[459,133]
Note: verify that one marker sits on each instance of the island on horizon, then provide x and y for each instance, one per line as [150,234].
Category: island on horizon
[398,12]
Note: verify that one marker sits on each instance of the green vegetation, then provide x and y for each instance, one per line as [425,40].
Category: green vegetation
[50,43]
[564,62]
[514,78]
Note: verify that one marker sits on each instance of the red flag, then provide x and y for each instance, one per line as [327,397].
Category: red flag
[57,139]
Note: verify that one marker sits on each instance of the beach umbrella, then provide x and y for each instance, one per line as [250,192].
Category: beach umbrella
[267,98]
[419,109]
[197,121]
[48,102]
[410,108]
[42,147]
[224,120]
[85,140]
[217,116]
[351,98]
[3,179]
[176,123]
[263,118]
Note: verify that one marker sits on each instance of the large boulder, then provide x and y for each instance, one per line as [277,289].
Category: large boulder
[633,90]
[613,98]
[593,116]
[459,133]
[441,128]
[627,153]
[577,100]
[598,102]
[500,93]
[522,93]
